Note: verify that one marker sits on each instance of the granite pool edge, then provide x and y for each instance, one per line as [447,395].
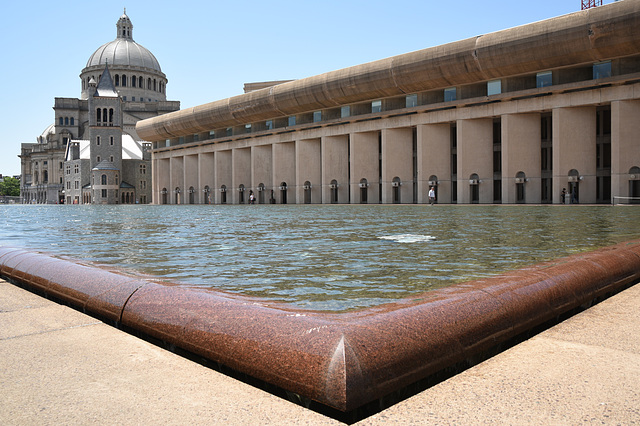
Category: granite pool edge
[341,360]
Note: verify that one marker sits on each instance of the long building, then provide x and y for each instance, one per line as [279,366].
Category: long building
[547,112]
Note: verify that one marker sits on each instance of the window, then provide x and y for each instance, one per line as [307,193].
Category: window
[104,193]
[411,101]
[72,121]
[111,140]
[345,111]
[103,179]
[76,184]
[292,121]
[494,87]
[143,169]
[376,106]
[117,180]
[450,94]
[544,79]
[269,124]
[98,159]
[111,158]
[60,121]
[133,98]
[124,80]
[117,80]
[317,116]
[98,140]
[601,70]
[133,82]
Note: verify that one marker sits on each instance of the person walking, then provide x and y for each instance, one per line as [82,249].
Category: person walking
[432,195]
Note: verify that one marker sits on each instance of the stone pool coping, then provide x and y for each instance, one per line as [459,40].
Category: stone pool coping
[342,360]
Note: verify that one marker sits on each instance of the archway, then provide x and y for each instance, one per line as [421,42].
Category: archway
[307,192]
[474,188]
[521,178]
[334,191]
[574,186]
[283,192]
[364,191]
[396,183]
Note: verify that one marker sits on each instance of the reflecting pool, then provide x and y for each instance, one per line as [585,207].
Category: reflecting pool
[317,256]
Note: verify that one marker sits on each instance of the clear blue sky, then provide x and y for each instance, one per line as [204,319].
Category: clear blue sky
[209,49]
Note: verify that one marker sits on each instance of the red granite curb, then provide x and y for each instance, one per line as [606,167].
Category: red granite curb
[342,360]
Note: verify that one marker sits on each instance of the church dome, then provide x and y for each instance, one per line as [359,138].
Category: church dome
[123,51]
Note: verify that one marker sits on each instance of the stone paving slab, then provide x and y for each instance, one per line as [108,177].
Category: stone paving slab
[60,366]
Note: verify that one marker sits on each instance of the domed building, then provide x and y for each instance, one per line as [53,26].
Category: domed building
[92,153]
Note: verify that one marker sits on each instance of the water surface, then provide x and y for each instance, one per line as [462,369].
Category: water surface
[317,256]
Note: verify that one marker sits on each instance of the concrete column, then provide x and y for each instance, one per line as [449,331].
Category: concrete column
[176,182]
[284,171]
[335,166]
[190,178]
[223,175]
[521,153]
[206,177]
[434,159]
[161,179]
[397,161]
[475,156]
[574,147]
[262,171]
[309,169]
[365,165]
[625,149]
[241,174]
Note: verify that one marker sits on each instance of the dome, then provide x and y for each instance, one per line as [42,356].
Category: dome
[123,51]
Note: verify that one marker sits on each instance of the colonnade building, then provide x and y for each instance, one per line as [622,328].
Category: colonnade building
[514,116]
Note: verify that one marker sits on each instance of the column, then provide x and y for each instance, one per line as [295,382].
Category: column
[625,149]
[284,172]
[206,177]
[262,172]
[335,167]
[521,153]
[309,169]
[365,164]
[223,176]
[397,162]
[241,175]
[574,148]
[434,159]
[475,157]
[190,179]
[176,188]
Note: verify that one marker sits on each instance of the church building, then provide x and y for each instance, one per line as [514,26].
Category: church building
[92,154]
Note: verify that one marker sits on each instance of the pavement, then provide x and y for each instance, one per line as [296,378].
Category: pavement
[59,366]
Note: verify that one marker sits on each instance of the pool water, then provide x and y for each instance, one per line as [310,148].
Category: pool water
[325,257]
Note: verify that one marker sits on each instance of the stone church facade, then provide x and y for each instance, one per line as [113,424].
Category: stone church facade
[92,154]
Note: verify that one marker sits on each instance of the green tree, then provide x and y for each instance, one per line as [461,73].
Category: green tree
[10,186]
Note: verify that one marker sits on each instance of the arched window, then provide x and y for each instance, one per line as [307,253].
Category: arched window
[133,81]
[154,85]
[66,121]
[164,195]
[45,176]
[124,80]
[104,115]
[117,180]
[364,189]
[110,115]
[72,121]
[521,178]
[396,183]
[474,181]
[307,192]
[117,80]
[149,83]
[61,121]
[104,179]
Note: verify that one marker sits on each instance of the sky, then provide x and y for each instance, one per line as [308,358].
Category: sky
[209,49]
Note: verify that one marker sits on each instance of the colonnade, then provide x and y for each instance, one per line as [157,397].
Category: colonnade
[480,155]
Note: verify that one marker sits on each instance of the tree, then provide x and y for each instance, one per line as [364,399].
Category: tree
[10,186]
